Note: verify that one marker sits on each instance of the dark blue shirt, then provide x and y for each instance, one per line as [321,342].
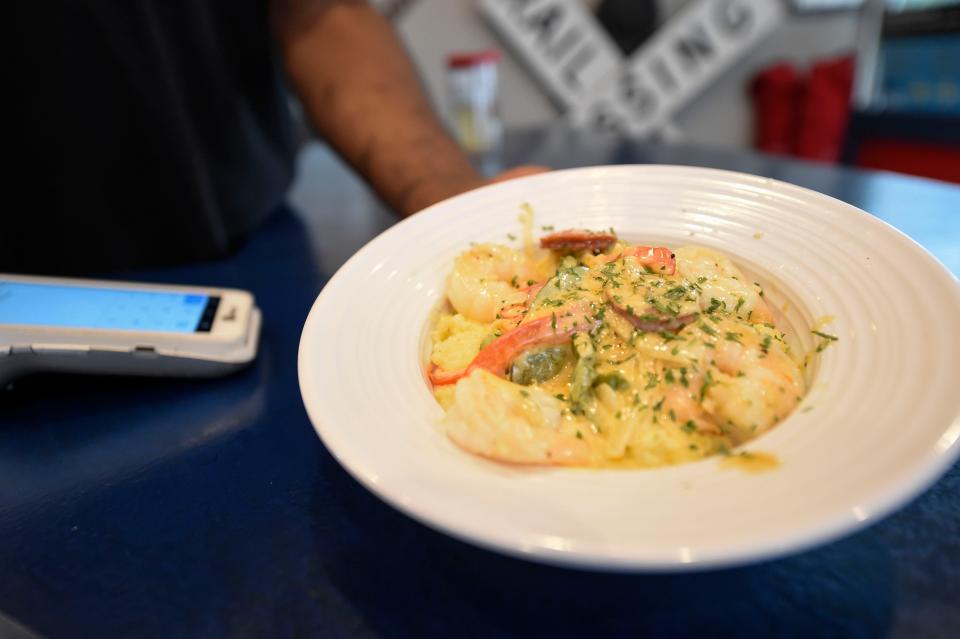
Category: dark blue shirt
[153,132]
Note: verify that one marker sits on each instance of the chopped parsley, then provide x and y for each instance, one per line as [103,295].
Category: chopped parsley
[614,380]
[765,344]
[676,293]
[832,338]
[707,381]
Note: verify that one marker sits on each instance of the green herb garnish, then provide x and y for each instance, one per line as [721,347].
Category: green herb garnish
[614,380]
[830,340]
[707,381]
[676,293]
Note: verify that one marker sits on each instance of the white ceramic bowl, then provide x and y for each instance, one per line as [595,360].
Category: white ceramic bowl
[879,424]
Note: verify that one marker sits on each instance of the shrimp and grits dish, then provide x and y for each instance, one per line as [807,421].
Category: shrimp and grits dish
[590,351]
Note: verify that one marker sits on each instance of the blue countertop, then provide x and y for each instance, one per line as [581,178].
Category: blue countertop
[164,508]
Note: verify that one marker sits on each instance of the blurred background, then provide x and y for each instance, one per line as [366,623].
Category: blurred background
[906,52]
[864,83]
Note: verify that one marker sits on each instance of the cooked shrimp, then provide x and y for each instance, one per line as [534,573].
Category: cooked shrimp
[651,259]
[720,280]
[755,382]
[508,422]
[518,310]
[681,405]
[488,278]
[495,357]
[762,385]
[598,353]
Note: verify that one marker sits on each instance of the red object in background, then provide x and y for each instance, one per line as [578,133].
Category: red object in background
[825,110]
[811,118]
[472,58]
[805,117]
[913,158]
[776,93]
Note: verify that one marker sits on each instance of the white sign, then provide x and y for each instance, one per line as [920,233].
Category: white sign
[561,41]
[679,61]
[585,72]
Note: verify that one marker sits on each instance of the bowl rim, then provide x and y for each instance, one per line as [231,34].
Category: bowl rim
[878,504]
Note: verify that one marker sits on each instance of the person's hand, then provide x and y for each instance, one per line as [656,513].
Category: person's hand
[441,187]
[517,172]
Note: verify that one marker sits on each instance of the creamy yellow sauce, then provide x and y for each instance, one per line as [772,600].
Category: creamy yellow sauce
[637,366]
[751,462]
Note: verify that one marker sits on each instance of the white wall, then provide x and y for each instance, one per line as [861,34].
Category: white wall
[718,117]
[721,115]
[432,29]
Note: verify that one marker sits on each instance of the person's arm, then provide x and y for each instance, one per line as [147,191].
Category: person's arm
[363,96]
